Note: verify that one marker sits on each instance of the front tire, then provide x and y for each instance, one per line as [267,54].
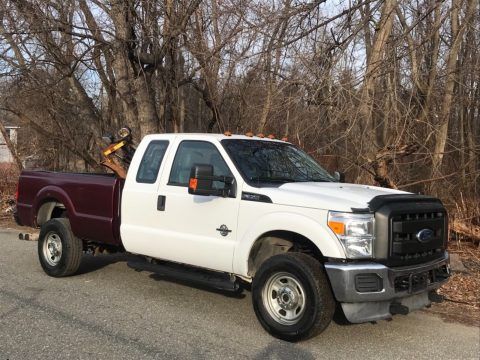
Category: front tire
[292,297]
[59,250]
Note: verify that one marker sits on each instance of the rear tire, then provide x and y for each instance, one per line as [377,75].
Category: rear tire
[292,297]
[59,250]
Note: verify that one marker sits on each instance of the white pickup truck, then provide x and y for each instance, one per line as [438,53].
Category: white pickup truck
[244,211]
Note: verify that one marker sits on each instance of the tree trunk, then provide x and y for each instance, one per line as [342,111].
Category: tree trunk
[451,79]
[373,68]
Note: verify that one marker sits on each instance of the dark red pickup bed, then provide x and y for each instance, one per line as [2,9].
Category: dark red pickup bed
[92,202]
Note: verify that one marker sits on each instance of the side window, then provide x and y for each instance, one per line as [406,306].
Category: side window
[192,152]
[151,161]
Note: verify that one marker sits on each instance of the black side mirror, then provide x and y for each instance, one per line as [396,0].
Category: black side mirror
[339,176]
[201,182]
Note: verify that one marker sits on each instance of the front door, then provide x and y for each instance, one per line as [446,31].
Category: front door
[197,230]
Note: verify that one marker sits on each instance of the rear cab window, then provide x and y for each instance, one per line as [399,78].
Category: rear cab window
[151,161]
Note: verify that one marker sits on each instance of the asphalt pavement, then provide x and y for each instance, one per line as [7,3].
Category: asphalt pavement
[109,311]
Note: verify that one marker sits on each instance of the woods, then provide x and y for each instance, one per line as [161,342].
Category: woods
[385,90]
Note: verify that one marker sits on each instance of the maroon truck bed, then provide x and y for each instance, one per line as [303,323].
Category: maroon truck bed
[92,202]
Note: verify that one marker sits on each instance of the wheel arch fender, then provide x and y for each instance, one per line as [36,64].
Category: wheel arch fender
[50,197]
[302,225]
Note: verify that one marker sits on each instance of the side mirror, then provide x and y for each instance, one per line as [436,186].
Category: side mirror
[339,176]
[201,182]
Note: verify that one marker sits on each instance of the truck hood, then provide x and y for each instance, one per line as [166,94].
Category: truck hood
[325,195]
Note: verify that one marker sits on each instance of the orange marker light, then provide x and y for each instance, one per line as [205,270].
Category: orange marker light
[337,227]
[227,133]
[284,138]
[192,184]
[271,136]
[260,135]
[249,134]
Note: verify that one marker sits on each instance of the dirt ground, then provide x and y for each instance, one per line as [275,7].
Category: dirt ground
[461,293]
[7,222]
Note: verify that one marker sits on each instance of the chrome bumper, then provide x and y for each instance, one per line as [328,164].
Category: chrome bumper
[402,285]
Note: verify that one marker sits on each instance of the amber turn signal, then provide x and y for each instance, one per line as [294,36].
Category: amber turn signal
[192,184]
[337,227]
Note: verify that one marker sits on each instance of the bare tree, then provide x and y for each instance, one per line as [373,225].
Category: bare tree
[386,90]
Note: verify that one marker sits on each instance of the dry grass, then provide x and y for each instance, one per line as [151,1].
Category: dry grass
[8,179]
[462,291]
[8,185]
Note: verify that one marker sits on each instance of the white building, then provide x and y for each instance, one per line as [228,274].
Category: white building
[5,154]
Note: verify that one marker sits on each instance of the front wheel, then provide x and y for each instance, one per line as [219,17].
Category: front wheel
[292,297]
[59,250]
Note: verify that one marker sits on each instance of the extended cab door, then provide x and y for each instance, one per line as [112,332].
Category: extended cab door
[139,216]
[194,229]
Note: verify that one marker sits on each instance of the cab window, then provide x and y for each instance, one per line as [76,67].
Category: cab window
[151,161]
[192,152]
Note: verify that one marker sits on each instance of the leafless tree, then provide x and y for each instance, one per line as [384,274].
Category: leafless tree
[387,90]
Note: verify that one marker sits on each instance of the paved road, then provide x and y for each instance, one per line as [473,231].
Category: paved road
[109,311]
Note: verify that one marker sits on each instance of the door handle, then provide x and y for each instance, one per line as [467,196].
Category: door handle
[161,202]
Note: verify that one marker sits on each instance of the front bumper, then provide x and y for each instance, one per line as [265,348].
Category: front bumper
[367,291]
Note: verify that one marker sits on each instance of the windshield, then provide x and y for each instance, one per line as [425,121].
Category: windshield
[273,162]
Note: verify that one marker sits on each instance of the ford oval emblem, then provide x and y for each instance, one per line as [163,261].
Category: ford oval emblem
[425,235]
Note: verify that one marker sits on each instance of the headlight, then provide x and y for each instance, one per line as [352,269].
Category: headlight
[355,232]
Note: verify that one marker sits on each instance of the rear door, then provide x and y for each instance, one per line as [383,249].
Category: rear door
[139,217]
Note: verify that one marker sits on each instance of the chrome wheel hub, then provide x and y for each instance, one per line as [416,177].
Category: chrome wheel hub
[287,298]
[52,249]
[284,298]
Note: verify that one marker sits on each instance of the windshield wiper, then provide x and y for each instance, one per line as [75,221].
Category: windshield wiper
[315,180]
[272,180]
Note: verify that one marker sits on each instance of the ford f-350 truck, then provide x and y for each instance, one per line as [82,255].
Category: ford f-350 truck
[254,211]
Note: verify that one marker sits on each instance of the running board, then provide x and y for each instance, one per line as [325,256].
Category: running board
[210,279]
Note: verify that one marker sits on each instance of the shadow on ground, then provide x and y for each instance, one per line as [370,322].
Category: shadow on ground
[92,263]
